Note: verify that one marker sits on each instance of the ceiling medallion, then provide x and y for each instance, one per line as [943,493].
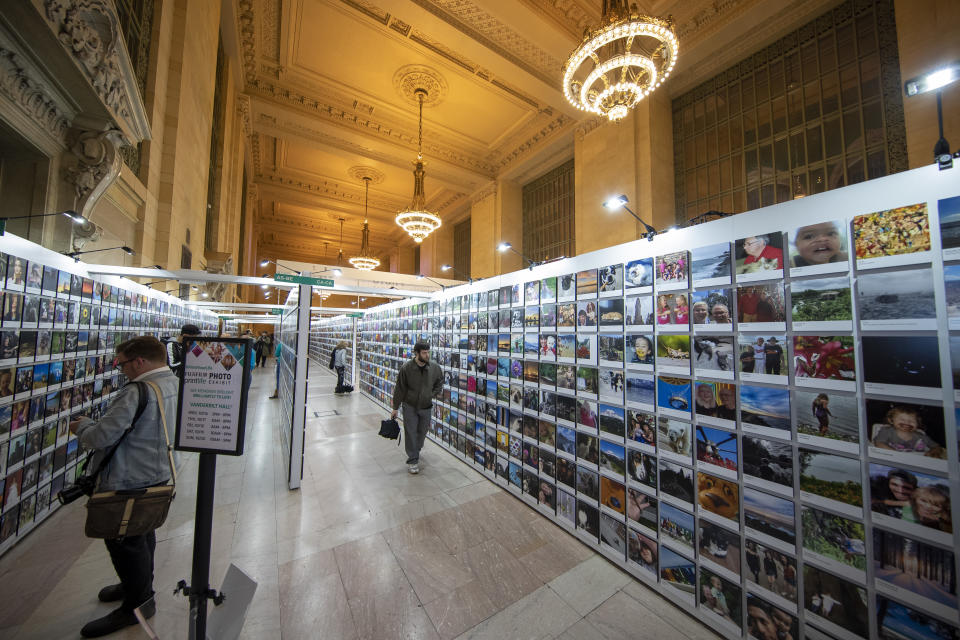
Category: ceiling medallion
[409,78]
[361,172]
[365,260]
[416,220]
[631,55]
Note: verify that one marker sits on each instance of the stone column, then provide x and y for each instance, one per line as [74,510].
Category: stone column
[496,216]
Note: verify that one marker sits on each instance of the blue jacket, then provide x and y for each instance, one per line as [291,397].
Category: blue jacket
[141,460]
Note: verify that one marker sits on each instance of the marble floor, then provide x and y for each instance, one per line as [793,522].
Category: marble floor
[362,550]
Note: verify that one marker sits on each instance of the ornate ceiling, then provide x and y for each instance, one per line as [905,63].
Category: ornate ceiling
[328,99]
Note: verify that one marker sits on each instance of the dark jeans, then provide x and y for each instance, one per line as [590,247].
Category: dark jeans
[260,361]
[132,558]
[340,372]
[416,422]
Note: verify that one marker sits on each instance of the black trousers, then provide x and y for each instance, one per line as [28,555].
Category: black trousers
[340,373]
[132,558]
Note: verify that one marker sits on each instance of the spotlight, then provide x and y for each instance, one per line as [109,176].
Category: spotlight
[615,203]
[504,246]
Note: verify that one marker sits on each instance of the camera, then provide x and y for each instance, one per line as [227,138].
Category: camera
[83,487]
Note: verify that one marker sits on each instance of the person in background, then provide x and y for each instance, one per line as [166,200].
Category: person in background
[340,363]
[276,356]
[261,348]
[175,348]
[140,461]
[419,381]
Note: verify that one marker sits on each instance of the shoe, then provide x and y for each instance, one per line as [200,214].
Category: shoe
[274,397]
[413,469]
[113,593]
[115,620]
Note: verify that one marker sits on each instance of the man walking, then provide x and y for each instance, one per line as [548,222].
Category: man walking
[139,461]
[418,383]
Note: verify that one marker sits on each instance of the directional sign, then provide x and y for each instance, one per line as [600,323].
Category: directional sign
[355,314]
[276,312]
[315,282]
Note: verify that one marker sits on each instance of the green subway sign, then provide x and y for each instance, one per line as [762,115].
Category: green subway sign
[314,282]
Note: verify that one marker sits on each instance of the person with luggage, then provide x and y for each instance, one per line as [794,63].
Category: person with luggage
[338,361]
[419,381]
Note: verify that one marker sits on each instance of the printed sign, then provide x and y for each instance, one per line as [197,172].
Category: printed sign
[212,407]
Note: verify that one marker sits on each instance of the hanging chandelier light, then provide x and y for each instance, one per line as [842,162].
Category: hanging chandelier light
[365,261]
[340,255]
[416,220]
[630,55]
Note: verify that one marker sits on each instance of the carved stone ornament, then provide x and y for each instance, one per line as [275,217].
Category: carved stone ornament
[411,77]
[92,165]
[30,96]
[90,32]
[222,265]
[84,233]
[359,173]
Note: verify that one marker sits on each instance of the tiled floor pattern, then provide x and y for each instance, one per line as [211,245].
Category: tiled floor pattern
[362,550]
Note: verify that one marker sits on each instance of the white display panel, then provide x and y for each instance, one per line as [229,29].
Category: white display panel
[824,455]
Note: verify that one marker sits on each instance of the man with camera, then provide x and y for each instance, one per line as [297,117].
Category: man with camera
[140,460]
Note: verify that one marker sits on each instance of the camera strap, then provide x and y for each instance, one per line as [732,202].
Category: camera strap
[141,407]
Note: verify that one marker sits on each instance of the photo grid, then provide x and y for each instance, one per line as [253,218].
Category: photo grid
[58,334]
[756,385]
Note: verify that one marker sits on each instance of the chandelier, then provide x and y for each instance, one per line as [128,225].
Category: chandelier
[365,261]
[631,55]
[416,220]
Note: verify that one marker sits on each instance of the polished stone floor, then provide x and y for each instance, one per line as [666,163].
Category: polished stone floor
[362,550]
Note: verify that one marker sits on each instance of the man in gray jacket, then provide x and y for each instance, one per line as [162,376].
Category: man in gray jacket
[418,383]
[140,461]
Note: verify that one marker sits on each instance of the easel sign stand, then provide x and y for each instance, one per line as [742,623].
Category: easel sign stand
[211,419]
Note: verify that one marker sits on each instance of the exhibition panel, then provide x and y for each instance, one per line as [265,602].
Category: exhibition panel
[325,334]
[60,327]
[754,415]
[292,379]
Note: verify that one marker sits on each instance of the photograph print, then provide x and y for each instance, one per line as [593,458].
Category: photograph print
[672,271]
[835,600]
[769,622]
[719,496]
[770,461]
[587,283]
[673,312]
[920,500]
[765,410]
[610,279]
[819,248]
[677,525]
[642,550]
[718,448]
[720,597]
[835,479]
[613,459]
[548,290]
[642,427]
[675,438]
[639,311]
[904,302]
[638,273]
[716,400]
[770,515]
[714,355]
[719,545]
[902,361]
[896,621]
[772,570]
[710,265]
[673,353]
[678,572]
[642,508]
[712,308]
[761,305]
[821,303]
[639,350]
[673,394]
[759,257]
[949,214]
[894,232]
[566,287]
[611,314]
[834,539]
[819,358]
[828,419]
[925,571]
[640,389]
[676,481]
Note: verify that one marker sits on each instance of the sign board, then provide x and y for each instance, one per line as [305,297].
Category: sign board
[355,314]
[212,403]
[314,282]
[276,312]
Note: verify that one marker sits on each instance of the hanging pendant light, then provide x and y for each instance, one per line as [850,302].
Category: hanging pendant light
[365,261]
[631,55]
[416,220]
[340,255]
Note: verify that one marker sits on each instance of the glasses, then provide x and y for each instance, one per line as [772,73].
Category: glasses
[117,362]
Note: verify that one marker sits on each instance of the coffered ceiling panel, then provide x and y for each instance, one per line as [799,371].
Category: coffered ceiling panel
[329,93]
